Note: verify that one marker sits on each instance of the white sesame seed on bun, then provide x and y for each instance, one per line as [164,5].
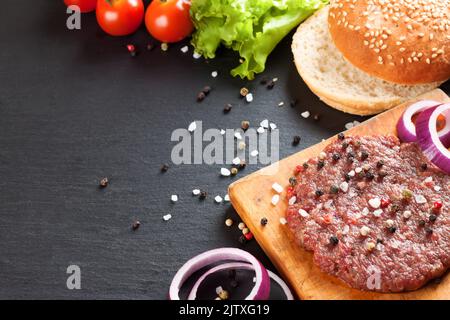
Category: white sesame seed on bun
[401,41]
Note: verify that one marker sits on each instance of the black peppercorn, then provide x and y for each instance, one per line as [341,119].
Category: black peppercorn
[293,103]
[227,108]
[104,182]
[164,167]
[379,240]
[336,156]
[350,155]
[292,181]
[206,90]
[203,195]
[392,229]
[334,189]
[334,240]
[428,230]
[320,164]
[263,221]
[380,163]
[316,117]
[319,193]
[296,140]
[395,208]
[369,175]
[271,84]
[347,177]
[341,136]
[424,166]
[201,96]
[432,217]
[135,225]
[364,155]
[422,223]
[345,145]
[306,165]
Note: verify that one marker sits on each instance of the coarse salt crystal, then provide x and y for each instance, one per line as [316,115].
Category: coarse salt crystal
[214,74]
[420,199]
[305,114]
[192,126]
[219,289]
[236,161]
[264,124]
[249,97]
[303,213]
[281,103]
[218,199]
[222,132]
[349,125]
[407,214]
[226,198]
[174,198]
[184,49]
[260,130]
[275,199]
[292,200]
[351,173]
[389,223]
[322,155]
[365,211]
[238,135]
[375,203]
[283,221]
[346,229]
[196,192]
[277,187]
[428,180]
[273,126]
[377,213]
[358,170]
[167,217]
[344,186]
[437,188]
[254,153]
[196,55]
[225,172]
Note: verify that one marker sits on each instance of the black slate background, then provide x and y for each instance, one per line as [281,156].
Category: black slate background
[74,107]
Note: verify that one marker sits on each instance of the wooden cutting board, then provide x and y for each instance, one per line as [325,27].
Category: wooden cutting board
[251,197]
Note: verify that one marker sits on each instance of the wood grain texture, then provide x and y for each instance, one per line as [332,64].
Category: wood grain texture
[251,197]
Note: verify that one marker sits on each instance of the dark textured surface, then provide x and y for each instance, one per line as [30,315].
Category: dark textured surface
[75,107]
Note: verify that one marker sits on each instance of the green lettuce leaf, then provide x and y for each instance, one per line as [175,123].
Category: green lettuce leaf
[251,27]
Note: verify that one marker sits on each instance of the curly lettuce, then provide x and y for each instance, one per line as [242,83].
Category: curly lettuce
[251,27]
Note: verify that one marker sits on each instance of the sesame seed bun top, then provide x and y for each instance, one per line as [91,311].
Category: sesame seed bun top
[401,41]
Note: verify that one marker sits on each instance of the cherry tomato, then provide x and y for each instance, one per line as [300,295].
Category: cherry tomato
[169,20]
[120,17]
[84,5]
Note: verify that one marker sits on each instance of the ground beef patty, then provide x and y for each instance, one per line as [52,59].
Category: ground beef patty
[375,212]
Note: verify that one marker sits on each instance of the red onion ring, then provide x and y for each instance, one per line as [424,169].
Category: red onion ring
[428,137]
[406,129]
[261,289]
[238,265]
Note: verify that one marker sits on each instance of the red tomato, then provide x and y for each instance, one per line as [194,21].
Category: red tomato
[169,20]
[84,5]
[120,17]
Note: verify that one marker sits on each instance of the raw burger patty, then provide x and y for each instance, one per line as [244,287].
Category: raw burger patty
[375,212]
